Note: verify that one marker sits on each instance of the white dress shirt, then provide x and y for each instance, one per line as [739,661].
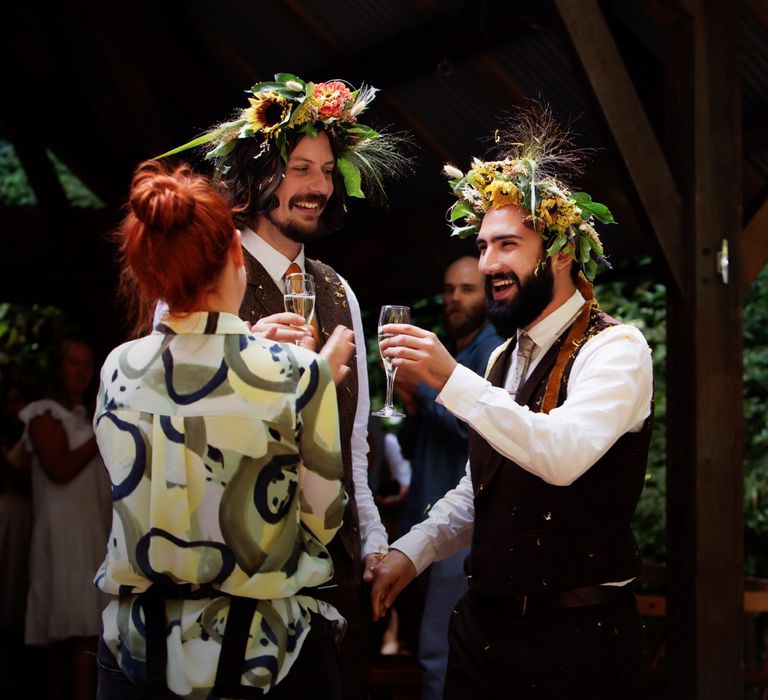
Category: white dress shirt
[609,394]
[373,536]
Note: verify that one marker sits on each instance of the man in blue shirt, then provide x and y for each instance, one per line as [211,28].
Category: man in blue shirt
[439,456]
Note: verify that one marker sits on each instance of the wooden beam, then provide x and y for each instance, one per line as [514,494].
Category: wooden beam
[704,371]
[754,246]
[631,130]
[759,8]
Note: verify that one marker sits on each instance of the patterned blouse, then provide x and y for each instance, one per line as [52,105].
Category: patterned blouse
[223,452]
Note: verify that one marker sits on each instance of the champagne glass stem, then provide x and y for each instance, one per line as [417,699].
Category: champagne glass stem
[390,387]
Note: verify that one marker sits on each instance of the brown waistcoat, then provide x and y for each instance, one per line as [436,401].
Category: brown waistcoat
[263,298]
[531,537]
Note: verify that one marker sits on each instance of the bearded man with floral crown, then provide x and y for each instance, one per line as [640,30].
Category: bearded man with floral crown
[559,432]
[289,160]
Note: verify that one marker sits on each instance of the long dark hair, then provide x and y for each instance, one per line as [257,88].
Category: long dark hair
[251,175]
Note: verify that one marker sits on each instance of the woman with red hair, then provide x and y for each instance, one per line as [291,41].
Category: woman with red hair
[223,452]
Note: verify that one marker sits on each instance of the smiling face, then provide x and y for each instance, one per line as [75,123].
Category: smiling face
[305,190]
[519,290]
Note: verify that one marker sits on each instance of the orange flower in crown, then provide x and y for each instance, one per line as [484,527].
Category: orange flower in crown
[288,105]
[331,99]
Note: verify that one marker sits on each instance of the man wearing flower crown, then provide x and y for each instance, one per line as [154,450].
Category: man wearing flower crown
[560,428]
[289,161]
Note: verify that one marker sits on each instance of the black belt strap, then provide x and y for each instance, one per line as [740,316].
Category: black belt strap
[154,630]
[233,647]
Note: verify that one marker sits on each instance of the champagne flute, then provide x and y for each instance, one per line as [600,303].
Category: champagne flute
[299,296]
[390,314]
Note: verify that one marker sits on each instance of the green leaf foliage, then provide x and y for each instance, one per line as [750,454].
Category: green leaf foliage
[590,208]
[351,176]
[459,210]
[643,303]
[29,337]
[285,77]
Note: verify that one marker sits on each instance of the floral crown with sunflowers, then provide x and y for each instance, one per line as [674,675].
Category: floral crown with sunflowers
[289,104]
[537,154]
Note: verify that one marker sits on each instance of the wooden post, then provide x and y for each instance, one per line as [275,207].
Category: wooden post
[704,341]
[704,344]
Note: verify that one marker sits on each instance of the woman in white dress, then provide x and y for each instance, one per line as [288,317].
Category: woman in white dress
[72,507]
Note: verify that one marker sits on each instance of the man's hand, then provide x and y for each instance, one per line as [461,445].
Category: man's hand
[393,573]
[418,355]
[337,351]
[284,327]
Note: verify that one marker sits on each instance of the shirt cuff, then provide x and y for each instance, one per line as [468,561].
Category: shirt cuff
[462,392]
[417,547]
[373,544]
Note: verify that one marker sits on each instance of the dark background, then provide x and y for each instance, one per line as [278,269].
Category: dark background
[104,86]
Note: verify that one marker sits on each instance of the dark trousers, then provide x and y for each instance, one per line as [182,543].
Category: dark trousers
[590,652]
[347,593]
[314,676]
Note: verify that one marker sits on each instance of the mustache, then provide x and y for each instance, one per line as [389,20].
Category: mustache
[320,199]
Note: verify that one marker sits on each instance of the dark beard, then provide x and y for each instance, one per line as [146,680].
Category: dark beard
[533,296]
[298,233]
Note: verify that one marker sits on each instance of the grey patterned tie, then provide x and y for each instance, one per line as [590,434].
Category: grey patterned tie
[524,350]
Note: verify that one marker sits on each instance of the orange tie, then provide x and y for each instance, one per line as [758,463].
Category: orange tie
[294,269]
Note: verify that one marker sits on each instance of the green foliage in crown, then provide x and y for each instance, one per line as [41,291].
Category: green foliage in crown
[536,152]
[289,104]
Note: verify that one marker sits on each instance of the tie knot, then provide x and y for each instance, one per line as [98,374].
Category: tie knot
[292,269]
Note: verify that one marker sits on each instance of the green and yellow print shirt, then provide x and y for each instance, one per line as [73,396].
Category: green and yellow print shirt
[224,457]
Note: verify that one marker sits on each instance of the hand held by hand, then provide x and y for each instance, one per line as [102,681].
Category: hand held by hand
[393,573]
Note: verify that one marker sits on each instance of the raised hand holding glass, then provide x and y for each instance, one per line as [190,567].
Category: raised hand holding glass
[390,314]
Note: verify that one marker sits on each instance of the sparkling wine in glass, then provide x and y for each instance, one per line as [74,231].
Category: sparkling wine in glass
[390,314]
[299,296]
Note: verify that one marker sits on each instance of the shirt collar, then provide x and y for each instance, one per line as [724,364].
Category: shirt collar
[201,323]
[271,259]
[546,331]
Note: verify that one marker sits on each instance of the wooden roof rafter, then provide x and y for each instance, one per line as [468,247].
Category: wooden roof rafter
[629,125]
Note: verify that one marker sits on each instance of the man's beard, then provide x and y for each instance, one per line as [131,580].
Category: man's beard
[470,320]
[298,231]
[533,296]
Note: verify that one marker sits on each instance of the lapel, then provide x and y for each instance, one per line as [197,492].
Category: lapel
[262,297]
[331,305]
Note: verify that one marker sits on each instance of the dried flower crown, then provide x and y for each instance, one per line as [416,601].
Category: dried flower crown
[289,104]
[536,154]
